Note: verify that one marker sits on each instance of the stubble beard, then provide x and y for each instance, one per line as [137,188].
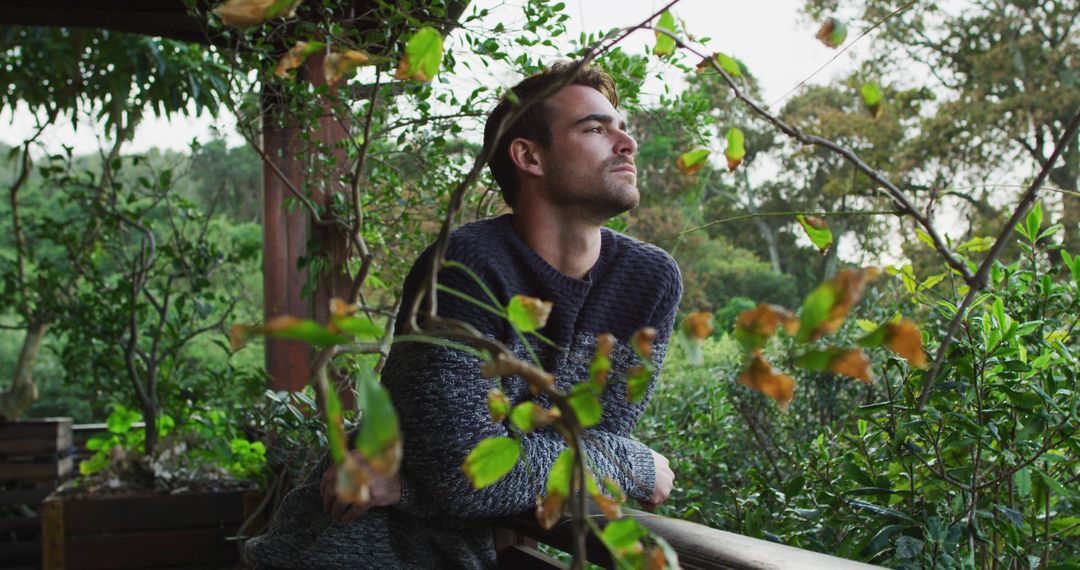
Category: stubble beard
[601,197]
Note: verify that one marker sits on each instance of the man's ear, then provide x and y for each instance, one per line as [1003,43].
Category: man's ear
[526,156]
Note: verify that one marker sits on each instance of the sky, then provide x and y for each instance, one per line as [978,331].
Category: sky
[773,38]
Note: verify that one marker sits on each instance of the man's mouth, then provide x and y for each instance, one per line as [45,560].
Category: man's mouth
[625,168]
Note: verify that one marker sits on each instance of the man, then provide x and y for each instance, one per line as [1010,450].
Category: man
[564,167]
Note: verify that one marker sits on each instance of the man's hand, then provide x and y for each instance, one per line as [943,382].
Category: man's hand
[665,479]
[385,492]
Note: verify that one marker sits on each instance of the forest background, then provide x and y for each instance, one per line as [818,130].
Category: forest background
[964,136]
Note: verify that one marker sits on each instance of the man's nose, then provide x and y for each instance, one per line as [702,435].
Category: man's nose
[626,144]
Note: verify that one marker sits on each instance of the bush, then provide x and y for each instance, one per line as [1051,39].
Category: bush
[985,475]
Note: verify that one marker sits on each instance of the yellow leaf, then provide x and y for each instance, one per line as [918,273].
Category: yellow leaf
[904,339]
[294,58]
[761,376]
[353,481]
[247,13]
[338,64]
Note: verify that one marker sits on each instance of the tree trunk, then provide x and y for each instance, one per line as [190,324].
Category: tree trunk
[766,230]
[1065,177]
[23,391]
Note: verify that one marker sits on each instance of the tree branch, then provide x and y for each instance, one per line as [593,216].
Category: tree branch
[979,280]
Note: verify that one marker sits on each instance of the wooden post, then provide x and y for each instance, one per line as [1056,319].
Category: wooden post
[286,235]
[52,535]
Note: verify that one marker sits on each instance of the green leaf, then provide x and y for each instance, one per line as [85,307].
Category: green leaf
[623,534]
[279,6]
[736,149]
[121,419]
[360,327]
[558,482]
[976,244]
[817,230]
[637,382]
[423,56]
[1034,221]
[665,44]
[498,405]
[493,458]
[526,414]
[729,64]
[1053,484]
[299,329]
[875,338]
[693,161]
[873,98]
[815,311]
[925,237]
[528,314]
[584,398]
[379,440]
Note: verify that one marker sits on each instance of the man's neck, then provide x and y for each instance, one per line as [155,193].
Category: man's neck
[569,245]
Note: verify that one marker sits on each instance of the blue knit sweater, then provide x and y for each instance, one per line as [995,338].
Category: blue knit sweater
[442,403]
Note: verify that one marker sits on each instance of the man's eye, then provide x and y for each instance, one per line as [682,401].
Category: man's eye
[596,129]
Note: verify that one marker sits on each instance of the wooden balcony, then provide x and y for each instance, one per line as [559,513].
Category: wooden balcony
[698,547]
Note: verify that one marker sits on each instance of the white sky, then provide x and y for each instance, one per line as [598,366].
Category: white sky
[771,37]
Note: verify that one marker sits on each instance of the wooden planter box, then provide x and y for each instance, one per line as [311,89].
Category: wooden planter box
[191,530]
[35,457]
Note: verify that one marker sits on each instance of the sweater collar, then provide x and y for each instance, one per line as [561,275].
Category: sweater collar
[608,246]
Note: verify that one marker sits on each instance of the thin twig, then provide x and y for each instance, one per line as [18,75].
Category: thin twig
[841,52]
[897,196]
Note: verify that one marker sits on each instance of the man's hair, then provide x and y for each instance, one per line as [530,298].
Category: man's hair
[535,123]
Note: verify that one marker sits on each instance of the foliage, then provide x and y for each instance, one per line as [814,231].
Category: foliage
[861,472]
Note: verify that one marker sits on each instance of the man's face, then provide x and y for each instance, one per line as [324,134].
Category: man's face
[590,162]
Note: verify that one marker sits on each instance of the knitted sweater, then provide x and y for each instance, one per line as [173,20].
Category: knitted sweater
[441,400]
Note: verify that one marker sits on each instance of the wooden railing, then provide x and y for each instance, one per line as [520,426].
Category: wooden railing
[698,547]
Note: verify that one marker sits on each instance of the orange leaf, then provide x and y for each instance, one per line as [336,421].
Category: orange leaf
[756,326]
[642,341]
[828,305]
[761,376]
[549,511]
[656,559]
[238,337]
[339,308]
[698,325]
[904,339]
[853,363]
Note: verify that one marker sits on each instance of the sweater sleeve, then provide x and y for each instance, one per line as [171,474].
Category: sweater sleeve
[442,405]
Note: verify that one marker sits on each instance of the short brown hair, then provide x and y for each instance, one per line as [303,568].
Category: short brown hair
[534,123]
